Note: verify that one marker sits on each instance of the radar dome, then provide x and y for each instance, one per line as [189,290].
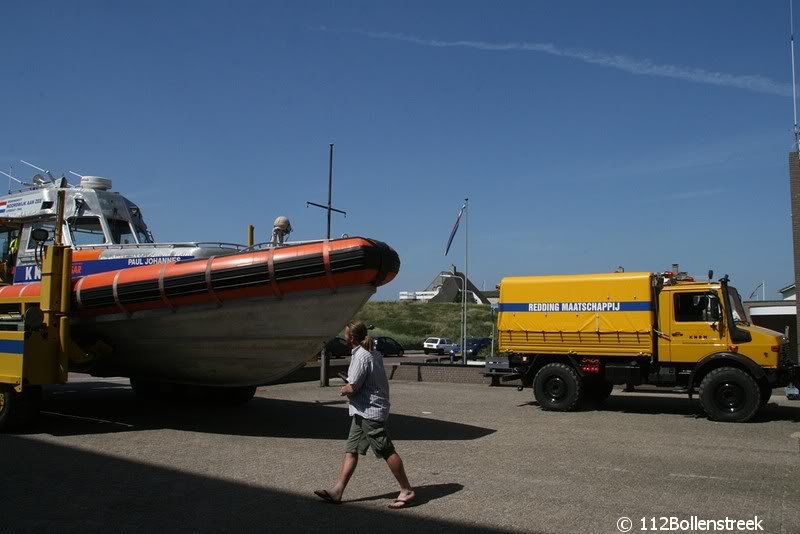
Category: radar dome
[282,223]
[95,182]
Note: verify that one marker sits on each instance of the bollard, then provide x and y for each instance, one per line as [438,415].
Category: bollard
[323,367]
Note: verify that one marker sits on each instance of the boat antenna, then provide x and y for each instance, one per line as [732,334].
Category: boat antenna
[795,130]
[328,206]
[39,169]
[12,178]
[76,174]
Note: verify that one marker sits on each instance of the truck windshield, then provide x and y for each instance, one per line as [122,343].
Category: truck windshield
[735,302]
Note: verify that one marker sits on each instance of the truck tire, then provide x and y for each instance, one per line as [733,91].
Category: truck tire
[19,409]
[597,389]
[7,398]
[730,395]
[557,387]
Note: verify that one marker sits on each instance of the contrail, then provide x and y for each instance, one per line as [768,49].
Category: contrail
[646,67]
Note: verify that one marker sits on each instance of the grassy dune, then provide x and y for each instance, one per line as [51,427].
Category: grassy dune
[410,323]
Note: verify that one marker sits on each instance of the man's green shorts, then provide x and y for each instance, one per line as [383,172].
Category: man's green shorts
[365,433]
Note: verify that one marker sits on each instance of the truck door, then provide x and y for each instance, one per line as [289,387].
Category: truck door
[695,328]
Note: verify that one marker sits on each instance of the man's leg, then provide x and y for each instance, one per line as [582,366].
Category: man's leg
[356,442]
[349,463]
[407,494]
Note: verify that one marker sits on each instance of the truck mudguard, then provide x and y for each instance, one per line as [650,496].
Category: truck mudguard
[710,361]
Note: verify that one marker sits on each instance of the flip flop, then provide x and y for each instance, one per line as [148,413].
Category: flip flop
[401,503]
[327,497]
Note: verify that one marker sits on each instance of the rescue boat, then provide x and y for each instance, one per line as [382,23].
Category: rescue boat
[213,314]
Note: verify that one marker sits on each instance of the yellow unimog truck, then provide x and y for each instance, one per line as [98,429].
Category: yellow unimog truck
[35,345]
[573,337]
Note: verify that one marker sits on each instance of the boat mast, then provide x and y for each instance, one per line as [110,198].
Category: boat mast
[329,206]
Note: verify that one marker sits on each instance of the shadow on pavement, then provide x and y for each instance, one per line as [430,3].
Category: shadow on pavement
[425,494]
[658,404]
[56,488]
[104,407]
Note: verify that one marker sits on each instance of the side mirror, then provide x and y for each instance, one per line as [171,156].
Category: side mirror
[39,235]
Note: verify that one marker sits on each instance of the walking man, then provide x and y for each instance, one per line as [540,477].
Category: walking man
[368,391]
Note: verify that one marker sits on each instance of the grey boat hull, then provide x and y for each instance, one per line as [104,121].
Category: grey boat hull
[244,342]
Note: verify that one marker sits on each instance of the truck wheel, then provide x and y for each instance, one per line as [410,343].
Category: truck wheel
[597,389]
[7,397]
[557,387]
[18,409]
[730,395]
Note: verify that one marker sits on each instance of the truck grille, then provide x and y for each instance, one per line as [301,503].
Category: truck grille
[787,359]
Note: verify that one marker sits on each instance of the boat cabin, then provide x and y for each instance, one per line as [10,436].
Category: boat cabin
[94,217]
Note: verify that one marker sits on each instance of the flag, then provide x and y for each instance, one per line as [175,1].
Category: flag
[455,229]
[753,294]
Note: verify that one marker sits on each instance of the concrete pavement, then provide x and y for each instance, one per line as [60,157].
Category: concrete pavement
[483,459]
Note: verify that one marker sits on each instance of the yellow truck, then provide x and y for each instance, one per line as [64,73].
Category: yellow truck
[573,337]
[35,345]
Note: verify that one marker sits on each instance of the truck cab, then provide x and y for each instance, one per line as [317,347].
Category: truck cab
[700,320]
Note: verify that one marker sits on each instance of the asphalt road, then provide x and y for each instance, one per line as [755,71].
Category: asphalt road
[483,459]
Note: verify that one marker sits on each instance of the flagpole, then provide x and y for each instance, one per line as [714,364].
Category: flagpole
[466,279]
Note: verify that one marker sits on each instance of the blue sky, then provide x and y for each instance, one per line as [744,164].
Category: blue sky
[587,135]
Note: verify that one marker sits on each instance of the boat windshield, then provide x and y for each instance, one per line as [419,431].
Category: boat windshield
[86,231]
[144,235]
[51,230]
[121,232]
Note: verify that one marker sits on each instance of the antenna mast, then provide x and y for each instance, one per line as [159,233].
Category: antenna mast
[12,178]
[795,130]
[328,206]
[39,169]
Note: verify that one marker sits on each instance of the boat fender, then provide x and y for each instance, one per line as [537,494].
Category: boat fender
[208,282]
[276,290]
[326,261]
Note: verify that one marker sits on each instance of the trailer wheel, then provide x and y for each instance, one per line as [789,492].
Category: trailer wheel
[146,390]
[597,389]
[234,396]
[730,395]
[557,387]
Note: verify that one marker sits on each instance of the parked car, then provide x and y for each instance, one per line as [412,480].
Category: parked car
[337,348]
[437,345]
[388,346]
[474,347]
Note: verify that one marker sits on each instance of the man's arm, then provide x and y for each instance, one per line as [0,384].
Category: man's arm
[359,367]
